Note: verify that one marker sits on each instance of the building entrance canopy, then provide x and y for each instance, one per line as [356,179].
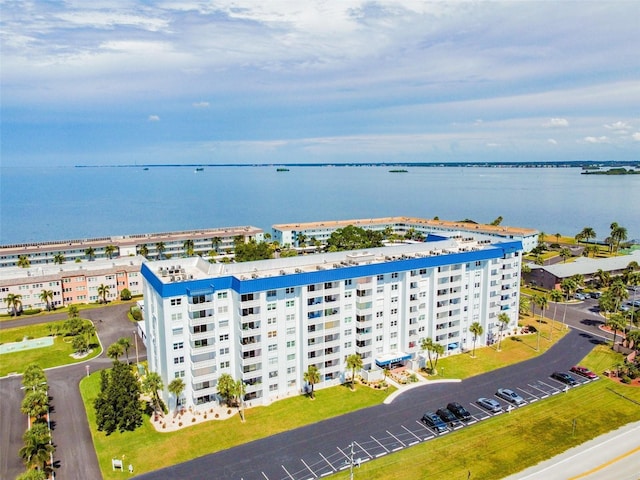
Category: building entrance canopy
[389,359]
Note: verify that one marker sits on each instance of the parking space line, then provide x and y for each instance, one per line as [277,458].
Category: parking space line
[360,447]
[410,433]
[265,475]
[545,394]
[290,476]
[345,455]
[327,461]
[399,441]
[326,473]
[385,448]
[305,464]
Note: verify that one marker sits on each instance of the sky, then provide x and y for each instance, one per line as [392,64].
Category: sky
[283,81]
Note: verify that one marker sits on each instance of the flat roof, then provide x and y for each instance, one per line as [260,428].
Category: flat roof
[466,226]
[587,266]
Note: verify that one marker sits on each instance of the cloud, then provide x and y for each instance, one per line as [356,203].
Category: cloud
[618,127]
[636,136]
[154,118]
[557,122]
[602,139]
[552,141]
[200,104]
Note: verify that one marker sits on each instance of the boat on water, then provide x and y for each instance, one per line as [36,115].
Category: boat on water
[146,168]
[282,170]
[200,169]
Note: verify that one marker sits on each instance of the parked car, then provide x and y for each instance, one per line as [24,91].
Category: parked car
[449,418]
[580,296]
[432,420]
[459,411]
[510,396]
[636,303]
[595,295]
[489,404]
[583,371]
[624,308]
[564,378]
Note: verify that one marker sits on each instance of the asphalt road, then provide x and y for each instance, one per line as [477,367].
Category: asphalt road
[75,456]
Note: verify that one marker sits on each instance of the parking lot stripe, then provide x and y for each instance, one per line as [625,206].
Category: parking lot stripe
[305,464]
[360,447]
[386,449]
[290,476]
[410,433]
[264,475]
[399,441]
[327,461]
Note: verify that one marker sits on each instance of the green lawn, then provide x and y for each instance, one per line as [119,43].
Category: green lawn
[519,439]
[148,449]
[57,354]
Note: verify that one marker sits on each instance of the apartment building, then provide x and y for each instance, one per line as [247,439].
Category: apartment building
[291,233]
[71,283]
[265,322]
[149,245]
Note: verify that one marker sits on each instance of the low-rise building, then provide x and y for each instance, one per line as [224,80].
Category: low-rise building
[266,322]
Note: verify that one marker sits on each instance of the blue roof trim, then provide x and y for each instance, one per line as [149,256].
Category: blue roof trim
[432,237]
[331,274]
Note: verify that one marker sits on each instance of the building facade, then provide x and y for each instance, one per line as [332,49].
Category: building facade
[266,322]
[71,283]
[290,234]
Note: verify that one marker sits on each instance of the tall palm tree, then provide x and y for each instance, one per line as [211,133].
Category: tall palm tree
[617,323]
[354,362]
[215,243]
[37,449]
[557,235]
[477,330]
[586,234]
[567,285]
[115,351]
[618,235]
[618,292]
[151,383]
[47,296]
[23,261]
[34,378]
[35,404]
[604,278]
[542,302]
[90,253]
[176,387]
[143,250]
[14,303]
[160,248]
[59,258]
[565,253]
[301,239]
[504,320]
[188,247]
[312,376]
[556,297]
[103,291]
[109,250]
[125,343]
[432,348]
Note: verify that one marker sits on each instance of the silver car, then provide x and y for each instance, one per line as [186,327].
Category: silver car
[510,396]
[489,404]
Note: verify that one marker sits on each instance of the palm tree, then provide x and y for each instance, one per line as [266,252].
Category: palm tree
[23,261]
[151,383]
[312,376]
[567,285]
[46,296]
[604,278]
[109,250]
[432,347]
[34,378]
[35,404]
[176,386]
[37,450]
[14,303]
[524,305]
[239,390]
[90,253]
[565,253]
[301,239]
[586,234]
[160,248]
[542,302]
[58,258]
[557,235]
[555,296]
[125,343]
[103,291]
[617,323]
[620,235]
[215,243]
[504,320]
[114,351]
[188,247]
[354,362]
[541,237]
[477,330]
[143,250]
[618,292]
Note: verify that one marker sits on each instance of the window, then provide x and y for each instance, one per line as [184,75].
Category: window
[273,361]
[394,286]
[176,316]
[273,374]
[201,343]
[223,309]
[348,282]
[394,323]
[291,343]
[394,299]
[394,334]
[394,275]
[380,289]
[272,334]
[222,295]
[291,356]
[378,338]
[378,326]
[179,374]
[224,337]
[224,351]
[347,344]
[271,306]
[291,331]
[177,331]
[273,388]
[379,314]
[177,360]
[273,348]
[271,293]
[291,370]
[380,278]
[394,311]
[289,290]
[176,301]
[347,319]
[290,303]
[348,294]
[225,364]
[291,317]
[271,321]
[178,346]
[347,332]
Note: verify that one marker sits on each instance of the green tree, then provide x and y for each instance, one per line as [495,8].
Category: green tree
[33,475]
[23,261]
[301,239]
[311,377]
[73,311]
[14,303]
[34,378]
[432,348]
[151,384]
[556,297]
[354,238]
[618,292]
[618,235]
[59,258]
[557,235]
[160,248]
[115,351]
[477,330]
[176,387]
[37,450]
[524,305]
[354,362]
[143,250]
[497,221]
[225,387]
[47,296]
[80,344]
[109,250]
[215,243]
[103,291]
[504,320]
[118,403]
[125,343]
[586,234]
[616,322]
[125,294]
[604,278]
[542,301]
[188,247]
[239,390]
[35,404]
[565,253]
[90,253]
[74,326]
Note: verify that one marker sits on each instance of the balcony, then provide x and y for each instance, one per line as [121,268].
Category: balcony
[203,371]
[202,360]
[207,334]
[209,347]
[195,307]
[200,314]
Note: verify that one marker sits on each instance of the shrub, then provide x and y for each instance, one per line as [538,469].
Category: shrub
[179,424]
[125,294]
[136,314]
[193,419]
[217,415]
[229,412]
[625,379]
[31,311]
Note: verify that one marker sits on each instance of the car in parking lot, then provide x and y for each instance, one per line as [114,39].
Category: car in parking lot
[580,296]
[448,417]
[489,404]
[432,420]
[564,378]
[583,371]
[624,308]
[459,411]
[510,396]
[595,295]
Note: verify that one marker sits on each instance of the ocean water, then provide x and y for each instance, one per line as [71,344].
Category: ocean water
[58,203]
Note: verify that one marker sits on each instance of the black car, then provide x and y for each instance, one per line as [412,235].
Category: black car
[564,378]
[432,420]
[459,411]
[449,418]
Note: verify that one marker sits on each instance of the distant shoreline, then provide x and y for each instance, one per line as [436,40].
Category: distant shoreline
[566,164]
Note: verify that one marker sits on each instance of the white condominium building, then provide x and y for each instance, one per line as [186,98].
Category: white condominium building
[265,322]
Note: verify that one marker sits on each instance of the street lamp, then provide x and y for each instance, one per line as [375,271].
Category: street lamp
[135,339]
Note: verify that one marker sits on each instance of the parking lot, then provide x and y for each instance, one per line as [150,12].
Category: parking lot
[323,463]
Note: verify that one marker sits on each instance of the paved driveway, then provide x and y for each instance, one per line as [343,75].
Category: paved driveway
[75,456]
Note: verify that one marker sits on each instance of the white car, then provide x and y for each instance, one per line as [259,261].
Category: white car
[510,396]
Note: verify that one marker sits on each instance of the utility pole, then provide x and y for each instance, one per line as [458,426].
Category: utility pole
[351,469]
